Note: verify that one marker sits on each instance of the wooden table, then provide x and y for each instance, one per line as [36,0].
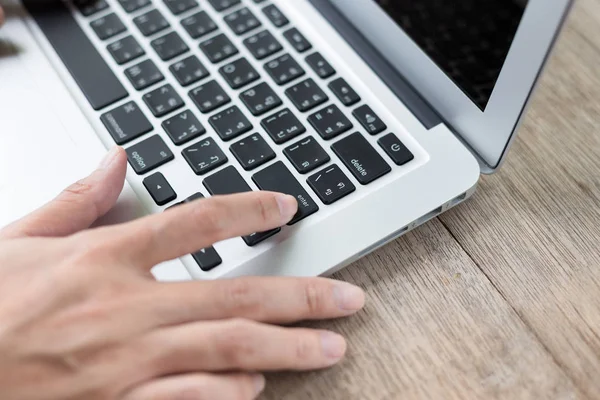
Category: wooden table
[500,297]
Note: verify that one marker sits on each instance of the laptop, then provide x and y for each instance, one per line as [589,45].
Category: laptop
[377,115]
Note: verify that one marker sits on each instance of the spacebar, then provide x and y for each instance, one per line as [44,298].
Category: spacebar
[98,83]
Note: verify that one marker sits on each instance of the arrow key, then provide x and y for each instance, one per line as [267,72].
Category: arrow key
[159,189]
[207,258]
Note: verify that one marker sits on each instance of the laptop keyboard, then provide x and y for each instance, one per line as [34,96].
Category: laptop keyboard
[243,88]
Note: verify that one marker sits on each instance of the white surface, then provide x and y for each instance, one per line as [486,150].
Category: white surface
[46,143]
[336,233]
[489,132]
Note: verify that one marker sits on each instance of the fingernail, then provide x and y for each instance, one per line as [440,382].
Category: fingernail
[108,158]
[259,383]
[333,345]
[348,297]
[288,206]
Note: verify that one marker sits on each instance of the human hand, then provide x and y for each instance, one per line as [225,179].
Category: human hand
[82,318]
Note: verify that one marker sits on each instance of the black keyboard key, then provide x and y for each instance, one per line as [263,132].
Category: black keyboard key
[331,184]
[361,158]
[306,155]
[218,48]
[89,7]
[242,21]
[159,189]
[230,123]
[369,120]
[151,22]
[330,122]
[189,70]
[183,127]
[260,99]
[283,126]
[204,156]
[107,26]
[239,73]
[226,181]
[194,197]
[344,92]
[284,69]
[395,149]
[207,258]
[306,95]
[275,15]
[320,65]
[125,50]
[229,181]
[169,46]
[277,178]
[144,74]
[252,152]
[296,39]
[149,154]
[199,24]
[209,97]
[95,78]
[126,123]
[255,238]
[133,5]
[221,5]
[262,45]
[163,100]
[180,6]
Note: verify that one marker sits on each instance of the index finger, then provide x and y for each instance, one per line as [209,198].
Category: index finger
[199,224]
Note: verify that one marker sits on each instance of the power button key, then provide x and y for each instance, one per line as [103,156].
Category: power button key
[395,149]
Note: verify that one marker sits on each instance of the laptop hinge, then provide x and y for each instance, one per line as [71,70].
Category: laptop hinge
[424,112]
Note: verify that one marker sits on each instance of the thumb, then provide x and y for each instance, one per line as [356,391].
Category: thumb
[79,205]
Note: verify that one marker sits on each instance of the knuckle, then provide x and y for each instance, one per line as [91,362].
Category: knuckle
[213,215]
[303,348]
[314,299]
[77,189]
[89,247]
[262,204]
[234,343]
[242,297]
[77,193]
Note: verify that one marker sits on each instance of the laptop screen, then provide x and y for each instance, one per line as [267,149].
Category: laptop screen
[468,39]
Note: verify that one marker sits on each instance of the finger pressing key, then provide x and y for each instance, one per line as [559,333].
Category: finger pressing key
[199,224]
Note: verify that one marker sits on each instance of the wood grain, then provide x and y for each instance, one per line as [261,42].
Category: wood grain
[501,299]
[435,327]
[534,228]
